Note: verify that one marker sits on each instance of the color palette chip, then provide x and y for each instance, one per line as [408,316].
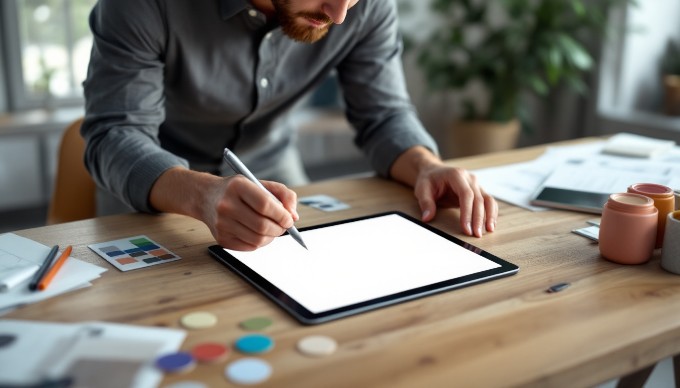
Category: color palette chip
[257,323]
[210,352]
[198,320]
[133,253]
[317,346]
[248,371]
[254,344]
[176,362]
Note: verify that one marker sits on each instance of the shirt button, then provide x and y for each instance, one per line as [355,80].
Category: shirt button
[268,35]
[252,13]
[264,83]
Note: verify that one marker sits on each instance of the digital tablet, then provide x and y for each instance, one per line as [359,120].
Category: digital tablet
[361,264]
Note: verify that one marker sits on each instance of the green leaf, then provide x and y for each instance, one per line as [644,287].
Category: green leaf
[476,14]
[456,37]
[575,83]
[538,85]
[578,7]
[554,65]
[440,5]
[575,52]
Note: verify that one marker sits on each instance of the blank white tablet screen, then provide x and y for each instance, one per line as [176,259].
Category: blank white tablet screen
[360,260]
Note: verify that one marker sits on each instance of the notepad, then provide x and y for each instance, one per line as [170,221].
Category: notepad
[21,252]
[627,144]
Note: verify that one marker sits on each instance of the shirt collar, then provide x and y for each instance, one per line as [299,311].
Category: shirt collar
[229,8]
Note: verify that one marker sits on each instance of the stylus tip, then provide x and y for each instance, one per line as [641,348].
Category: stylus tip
[296,236]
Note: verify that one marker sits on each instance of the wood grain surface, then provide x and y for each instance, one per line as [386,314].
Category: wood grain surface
[612,320]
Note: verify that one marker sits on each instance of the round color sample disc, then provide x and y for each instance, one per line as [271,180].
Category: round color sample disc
[199,320]
[210,352]
[317,346]
[176,362]
[257,323]
[187,384]
[254,344]
[248,371]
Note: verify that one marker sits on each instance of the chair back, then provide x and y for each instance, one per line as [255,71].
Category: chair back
[73,197]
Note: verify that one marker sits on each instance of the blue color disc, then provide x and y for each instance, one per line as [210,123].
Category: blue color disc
[254,344]
[175,362]
[248,371]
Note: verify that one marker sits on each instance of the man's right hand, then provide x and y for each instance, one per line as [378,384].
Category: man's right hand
[240,215]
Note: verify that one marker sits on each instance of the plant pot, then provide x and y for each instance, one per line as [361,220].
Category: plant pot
[475,137]
[671,101]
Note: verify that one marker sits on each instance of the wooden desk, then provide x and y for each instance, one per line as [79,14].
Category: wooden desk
[613,319]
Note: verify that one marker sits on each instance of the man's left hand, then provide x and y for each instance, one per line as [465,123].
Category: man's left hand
[437,185]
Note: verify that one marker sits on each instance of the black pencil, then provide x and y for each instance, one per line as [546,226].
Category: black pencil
[43,268]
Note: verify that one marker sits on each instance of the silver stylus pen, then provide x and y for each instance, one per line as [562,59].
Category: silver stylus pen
[240,168]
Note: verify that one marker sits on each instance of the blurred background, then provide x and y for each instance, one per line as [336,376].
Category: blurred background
[523,72]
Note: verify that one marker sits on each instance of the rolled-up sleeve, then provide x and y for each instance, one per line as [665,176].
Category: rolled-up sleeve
[374,88]
[125,101]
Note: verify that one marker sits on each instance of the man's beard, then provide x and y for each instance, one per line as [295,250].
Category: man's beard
[292,27]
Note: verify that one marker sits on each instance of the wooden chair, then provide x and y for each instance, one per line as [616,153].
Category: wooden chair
[73,197]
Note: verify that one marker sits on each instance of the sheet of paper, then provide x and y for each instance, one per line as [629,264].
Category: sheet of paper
[518,183]
[38,349]
[73,274]
[611,176]
[591,232]
[513,183]
[12,276]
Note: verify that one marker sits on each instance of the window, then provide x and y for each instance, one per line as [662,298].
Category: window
[46,49]
[630,88]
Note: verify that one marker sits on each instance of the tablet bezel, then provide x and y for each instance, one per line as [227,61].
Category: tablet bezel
[307,317]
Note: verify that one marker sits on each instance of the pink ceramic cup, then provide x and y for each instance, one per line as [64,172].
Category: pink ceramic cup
[628,228]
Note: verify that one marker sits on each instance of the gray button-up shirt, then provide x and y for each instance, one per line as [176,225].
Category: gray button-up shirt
[173,82]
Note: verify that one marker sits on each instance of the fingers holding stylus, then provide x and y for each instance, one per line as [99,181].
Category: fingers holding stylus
[286,196]
[248,217]
[267,207]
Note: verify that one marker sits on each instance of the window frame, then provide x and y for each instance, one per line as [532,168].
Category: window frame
[609,117]
[3,86]
[17,98]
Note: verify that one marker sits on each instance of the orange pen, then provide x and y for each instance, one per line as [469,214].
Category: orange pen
[55,268]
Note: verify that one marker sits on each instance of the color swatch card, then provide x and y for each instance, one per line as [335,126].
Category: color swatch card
[324,202]
[133,253]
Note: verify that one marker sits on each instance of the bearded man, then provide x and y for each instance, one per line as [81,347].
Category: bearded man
[171,83]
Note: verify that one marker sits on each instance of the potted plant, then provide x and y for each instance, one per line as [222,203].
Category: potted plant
[670,67]
[509,48]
